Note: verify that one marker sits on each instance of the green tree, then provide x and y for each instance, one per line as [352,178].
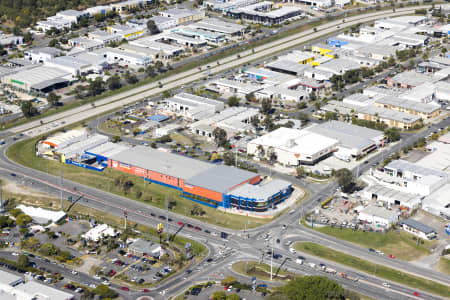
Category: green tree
[230,280]
[301,172]
[219,295]
[312,288]
[228,158]
[266,106]
[150,71]
[345,179]
[104,292]
[250,97]
[28,37]
[130,78]
[116,139]
[96,87]
[233,101]
[53,99]
[53,43]
[23,261]
[330,115]
[220,136]
[393,134]
[136,131]
[5,221]
[233,297]
[15,212]
[47,249]
[268,123]
[152,28]
[197,210]
[114,82]
[159,65]
[23,220]
[28,109]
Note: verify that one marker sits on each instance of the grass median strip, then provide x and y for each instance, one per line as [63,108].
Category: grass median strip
[375,269]
[401,244]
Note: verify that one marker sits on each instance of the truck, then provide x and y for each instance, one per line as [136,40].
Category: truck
[344,275]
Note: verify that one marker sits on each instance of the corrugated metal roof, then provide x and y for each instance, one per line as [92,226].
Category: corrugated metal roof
[220,178]
[162,162]
[417,225]
[261,191]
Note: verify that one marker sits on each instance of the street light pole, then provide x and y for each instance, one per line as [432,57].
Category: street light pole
[271,262]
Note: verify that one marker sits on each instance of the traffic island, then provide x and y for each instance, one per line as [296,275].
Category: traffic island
[262,271]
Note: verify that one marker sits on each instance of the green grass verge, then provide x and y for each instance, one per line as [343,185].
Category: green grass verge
[371,268]
[400,244]
[22,152]
[444,265]
[261,271]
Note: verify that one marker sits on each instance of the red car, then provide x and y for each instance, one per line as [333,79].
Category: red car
[416,294]
[391,256]
[180,223]
[197,228]
[124,288]
[225,288]
[145,290]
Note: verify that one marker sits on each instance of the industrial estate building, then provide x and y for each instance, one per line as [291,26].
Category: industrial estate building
[205,183]
[14,287]
[310,145]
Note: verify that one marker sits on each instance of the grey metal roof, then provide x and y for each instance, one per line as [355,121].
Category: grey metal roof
[349,135]
[404,165]
[408,104]
[220,178]
[418,225]
[287,65]
[144,246]
[261,191]
[162,162]
[108,149]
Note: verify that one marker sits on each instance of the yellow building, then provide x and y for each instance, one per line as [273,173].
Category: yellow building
[323,50]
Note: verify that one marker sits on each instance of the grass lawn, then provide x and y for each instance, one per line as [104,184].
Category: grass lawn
[110,128]
[444,265]
[371,268]
[181,139]
[261,271]
[400,244]
[149,193]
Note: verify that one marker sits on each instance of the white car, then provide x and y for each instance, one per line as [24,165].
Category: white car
[97,277]
[15,254]
[385,284]
[92,286]
[292,250]
[74,272]
[106,283]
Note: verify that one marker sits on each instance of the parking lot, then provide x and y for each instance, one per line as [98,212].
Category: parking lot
[136,269]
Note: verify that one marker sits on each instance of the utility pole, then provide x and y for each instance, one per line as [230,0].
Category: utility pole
[271,262]
[60,189]
[167,221]
[125,218]
[1,197]
[235,158]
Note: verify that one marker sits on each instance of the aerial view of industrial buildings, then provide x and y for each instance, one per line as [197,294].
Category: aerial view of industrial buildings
[238,149]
